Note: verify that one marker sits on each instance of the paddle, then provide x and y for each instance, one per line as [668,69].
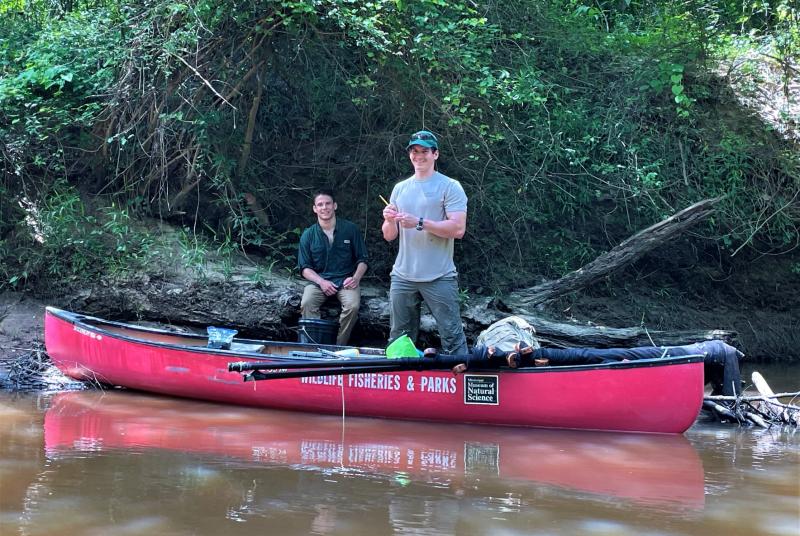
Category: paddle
[293,368]
[256,375]
[407,363]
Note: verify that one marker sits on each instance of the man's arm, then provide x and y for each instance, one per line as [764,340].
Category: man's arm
[328,288]
[359,252]
[355,280]
[453,227]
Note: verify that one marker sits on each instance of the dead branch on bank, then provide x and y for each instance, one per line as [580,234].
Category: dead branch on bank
[33,370]
[620,256]
[763,410]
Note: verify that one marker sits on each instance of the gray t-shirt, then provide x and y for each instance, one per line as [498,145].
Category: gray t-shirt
[424,256]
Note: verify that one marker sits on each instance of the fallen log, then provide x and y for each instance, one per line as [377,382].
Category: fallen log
[770,404]
[756,419]
[573,334]
[618,257]
[271,308]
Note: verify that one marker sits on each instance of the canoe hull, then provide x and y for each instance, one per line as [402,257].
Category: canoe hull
[661,396]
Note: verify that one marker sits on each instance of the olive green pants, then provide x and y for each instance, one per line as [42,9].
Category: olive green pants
[441,297]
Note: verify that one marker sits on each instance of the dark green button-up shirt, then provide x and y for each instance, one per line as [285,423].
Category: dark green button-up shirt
[334,262]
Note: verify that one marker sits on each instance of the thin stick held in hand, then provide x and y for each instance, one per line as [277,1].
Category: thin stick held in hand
[385,202]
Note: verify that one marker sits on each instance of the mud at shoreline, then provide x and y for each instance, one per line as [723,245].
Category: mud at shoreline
[24,364]
[21,325]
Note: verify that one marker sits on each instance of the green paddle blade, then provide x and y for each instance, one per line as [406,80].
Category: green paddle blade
[402,346]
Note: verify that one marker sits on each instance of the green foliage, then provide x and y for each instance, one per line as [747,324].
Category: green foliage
[571,124]
[53,76]
[56,238]
[193,251]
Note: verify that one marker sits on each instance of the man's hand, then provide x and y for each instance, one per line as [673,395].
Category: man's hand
[389,213]
[351,283]
[328,288]
[389,226]
[406,220]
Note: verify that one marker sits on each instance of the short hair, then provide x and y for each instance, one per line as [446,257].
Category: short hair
[323,191]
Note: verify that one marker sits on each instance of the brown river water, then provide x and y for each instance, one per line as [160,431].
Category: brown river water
[122,463]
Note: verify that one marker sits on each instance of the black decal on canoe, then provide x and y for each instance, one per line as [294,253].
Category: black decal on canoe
[481,390]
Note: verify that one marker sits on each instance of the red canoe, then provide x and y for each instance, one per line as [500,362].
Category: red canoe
[650,395]
[662,471]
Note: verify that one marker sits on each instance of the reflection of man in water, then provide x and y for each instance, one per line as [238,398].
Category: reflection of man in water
[325,520]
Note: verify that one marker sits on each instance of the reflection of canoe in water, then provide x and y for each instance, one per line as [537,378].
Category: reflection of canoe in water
[650,395]
[641,468]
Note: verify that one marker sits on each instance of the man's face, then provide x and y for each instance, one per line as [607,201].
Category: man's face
[422,158]
[324,207]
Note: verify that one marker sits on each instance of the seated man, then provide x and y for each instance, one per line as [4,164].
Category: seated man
[333,257]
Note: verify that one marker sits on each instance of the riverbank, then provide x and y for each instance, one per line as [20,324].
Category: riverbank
[24,364]
[21,325]
[752,302]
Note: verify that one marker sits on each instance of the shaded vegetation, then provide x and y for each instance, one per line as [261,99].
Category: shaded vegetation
[570,124]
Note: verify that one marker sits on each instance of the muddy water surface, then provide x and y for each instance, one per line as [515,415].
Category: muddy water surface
[91,463]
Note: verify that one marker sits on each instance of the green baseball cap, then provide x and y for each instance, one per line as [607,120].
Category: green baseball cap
[423,138]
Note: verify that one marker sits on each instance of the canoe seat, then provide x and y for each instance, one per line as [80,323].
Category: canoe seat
[244,347]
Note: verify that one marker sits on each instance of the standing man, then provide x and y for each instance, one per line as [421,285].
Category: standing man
[428,211]
[333,257]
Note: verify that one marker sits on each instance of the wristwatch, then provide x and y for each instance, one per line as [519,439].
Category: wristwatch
[419,225]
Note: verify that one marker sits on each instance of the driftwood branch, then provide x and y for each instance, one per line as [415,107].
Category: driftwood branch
[625,253]
[758,397]
[762,410]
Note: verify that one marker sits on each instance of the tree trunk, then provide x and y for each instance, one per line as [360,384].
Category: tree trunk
[247,146]
[620,256]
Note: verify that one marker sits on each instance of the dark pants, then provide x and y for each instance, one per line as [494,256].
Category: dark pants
[721,363]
